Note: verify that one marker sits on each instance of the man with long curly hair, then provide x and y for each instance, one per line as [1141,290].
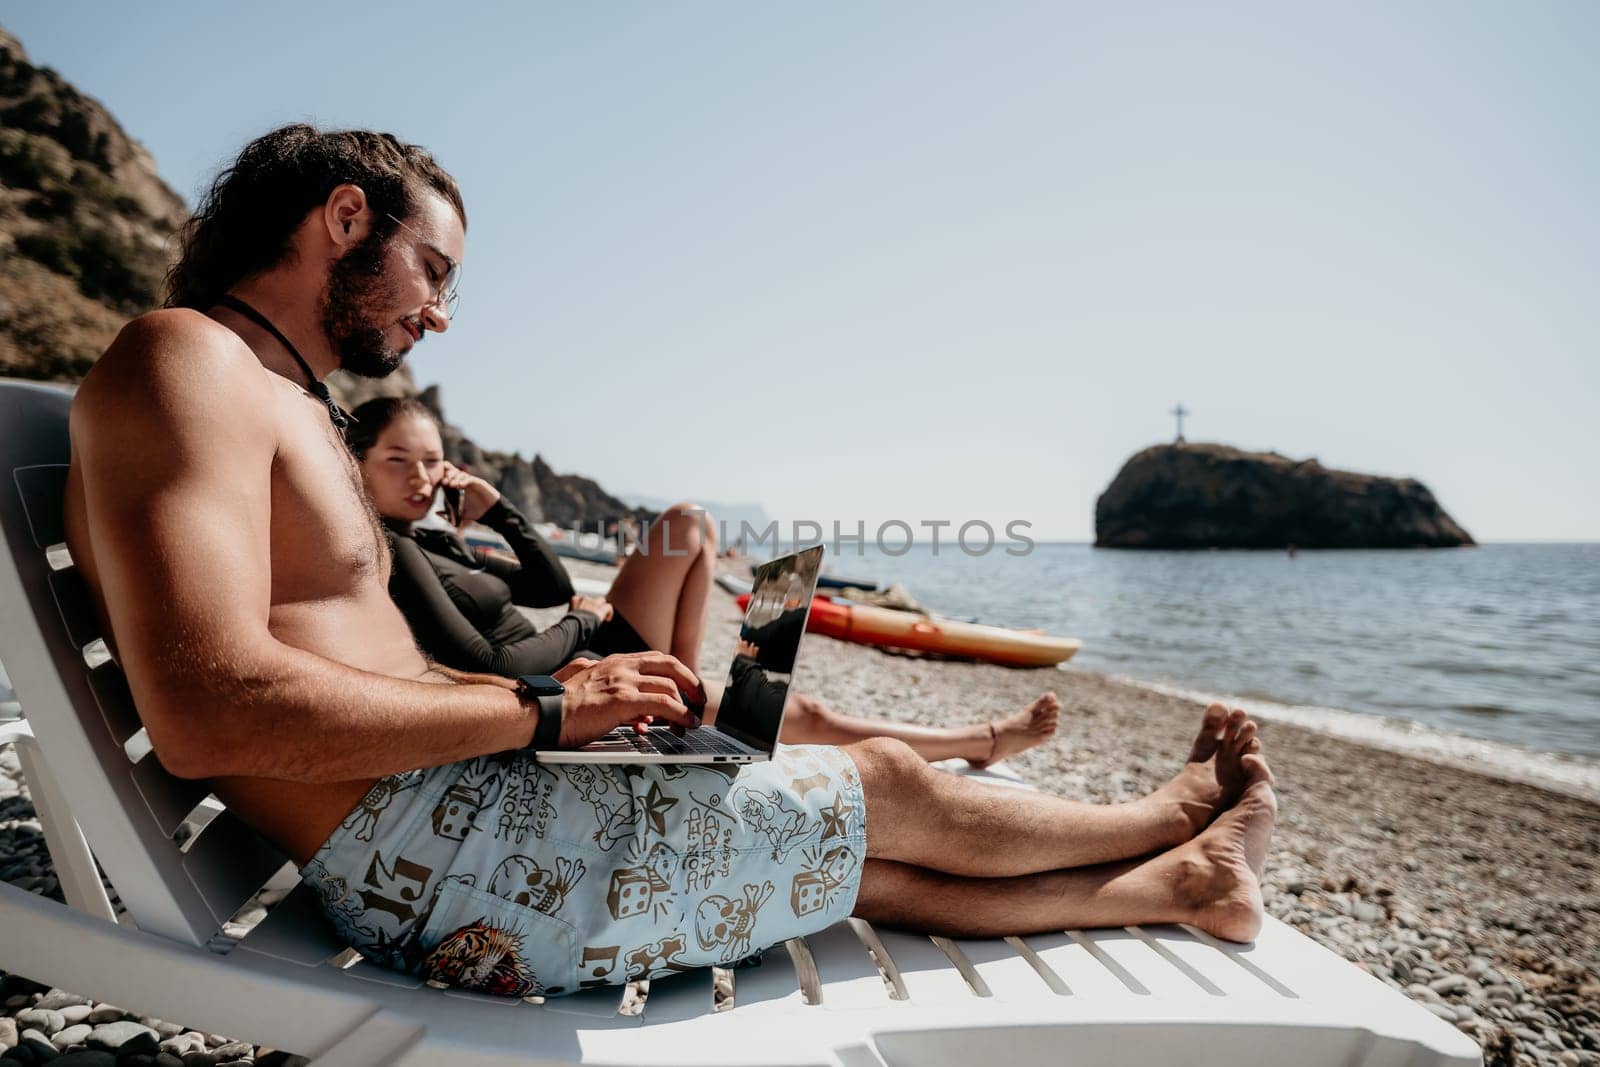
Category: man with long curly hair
[218,517]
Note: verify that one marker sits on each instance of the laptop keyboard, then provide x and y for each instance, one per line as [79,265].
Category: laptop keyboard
[669,743]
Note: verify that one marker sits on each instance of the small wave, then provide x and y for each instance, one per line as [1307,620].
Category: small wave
[1467,668]
[1573,775]
[1492,711]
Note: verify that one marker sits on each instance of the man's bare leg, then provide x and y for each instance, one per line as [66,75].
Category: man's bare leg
[808,721]
[942,822]
[663,588]
[1213,882]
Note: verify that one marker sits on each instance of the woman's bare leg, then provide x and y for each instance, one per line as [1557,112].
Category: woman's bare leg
[1213,882]
[808,721]
[663,589]
[947,823]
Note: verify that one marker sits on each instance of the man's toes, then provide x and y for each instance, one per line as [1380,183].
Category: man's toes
[1210,728]
[1247,733]
[1256,770]
[1236,720]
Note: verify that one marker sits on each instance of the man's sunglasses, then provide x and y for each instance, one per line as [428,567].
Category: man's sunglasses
[448,297]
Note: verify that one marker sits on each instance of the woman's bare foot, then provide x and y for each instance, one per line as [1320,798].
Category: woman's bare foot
[1217,876]
[1033,725]
[1214,776]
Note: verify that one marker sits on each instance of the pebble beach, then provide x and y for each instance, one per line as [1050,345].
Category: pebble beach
[1477,897]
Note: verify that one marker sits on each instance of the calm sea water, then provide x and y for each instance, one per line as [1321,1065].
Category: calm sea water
[1500,642]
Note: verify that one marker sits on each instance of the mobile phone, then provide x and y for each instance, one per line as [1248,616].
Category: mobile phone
[452,505]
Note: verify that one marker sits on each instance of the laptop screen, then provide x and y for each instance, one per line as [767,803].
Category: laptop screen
[769,642]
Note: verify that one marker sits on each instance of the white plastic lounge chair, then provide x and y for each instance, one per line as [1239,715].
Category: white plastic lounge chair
[1128,996]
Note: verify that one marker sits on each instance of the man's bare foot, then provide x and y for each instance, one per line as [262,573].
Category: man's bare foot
[1214,776]
[1033,725]
[1217,876]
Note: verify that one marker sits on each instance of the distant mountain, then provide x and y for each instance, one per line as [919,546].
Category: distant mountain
[1215,496]
[86,223]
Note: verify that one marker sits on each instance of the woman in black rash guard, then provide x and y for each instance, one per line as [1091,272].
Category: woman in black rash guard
[462,604]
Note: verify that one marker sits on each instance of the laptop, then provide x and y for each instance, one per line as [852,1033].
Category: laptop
[751,714]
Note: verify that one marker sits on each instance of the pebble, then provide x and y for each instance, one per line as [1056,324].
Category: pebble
[74,1014]
[162,1027]
[233,1050]
[8,1033]
[72,1035]
[184,1043]
[119,1035]
[1420,992]
[1450,983]
[57,999]
[39,1045]
[42,1019]
[105,1013]
[1369,913]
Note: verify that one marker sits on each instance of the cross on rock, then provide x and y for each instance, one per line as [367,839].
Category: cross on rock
[1180,411]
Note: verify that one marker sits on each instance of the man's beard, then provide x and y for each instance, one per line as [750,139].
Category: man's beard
[356,285]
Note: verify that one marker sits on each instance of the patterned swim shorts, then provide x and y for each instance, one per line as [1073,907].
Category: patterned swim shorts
[506,876]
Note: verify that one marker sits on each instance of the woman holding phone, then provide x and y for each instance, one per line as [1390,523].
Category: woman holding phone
[462,604]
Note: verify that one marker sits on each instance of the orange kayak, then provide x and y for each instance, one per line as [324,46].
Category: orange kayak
[866,625]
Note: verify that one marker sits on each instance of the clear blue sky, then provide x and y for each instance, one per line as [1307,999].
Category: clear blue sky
[925,261]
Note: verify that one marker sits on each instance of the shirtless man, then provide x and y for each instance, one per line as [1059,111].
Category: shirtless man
[217,516]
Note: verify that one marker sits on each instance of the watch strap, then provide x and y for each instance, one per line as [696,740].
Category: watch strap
[547,735]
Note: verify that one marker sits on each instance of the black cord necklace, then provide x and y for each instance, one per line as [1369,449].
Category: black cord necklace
[336,414]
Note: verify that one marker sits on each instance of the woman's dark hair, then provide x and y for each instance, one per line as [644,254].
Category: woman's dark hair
[368,421]
[247,219]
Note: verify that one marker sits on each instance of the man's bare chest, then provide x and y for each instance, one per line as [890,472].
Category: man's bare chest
[326,539]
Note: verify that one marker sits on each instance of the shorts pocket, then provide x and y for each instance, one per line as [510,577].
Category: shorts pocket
[476,940]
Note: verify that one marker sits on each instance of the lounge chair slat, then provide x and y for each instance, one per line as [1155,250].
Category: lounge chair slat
[1135,963]
[849,977]
[295,931]
[1220,971]
[1007,973]
[679,997]
[1086,976]
[930,975]
[595,1006]
[771,986]
[41,488]
[115,700]
[75,605]
[229,862]
[169,800]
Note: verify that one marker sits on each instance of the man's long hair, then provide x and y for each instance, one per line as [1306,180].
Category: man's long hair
[247,220]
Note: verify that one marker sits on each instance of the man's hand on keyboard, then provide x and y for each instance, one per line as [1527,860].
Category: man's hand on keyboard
[635,688]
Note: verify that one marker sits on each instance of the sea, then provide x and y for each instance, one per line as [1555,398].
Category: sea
[1486,657]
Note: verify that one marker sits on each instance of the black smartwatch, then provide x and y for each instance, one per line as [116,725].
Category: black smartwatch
[547,692]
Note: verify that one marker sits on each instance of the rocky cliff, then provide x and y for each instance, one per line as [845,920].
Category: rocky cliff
[86,223]
[1215,496]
